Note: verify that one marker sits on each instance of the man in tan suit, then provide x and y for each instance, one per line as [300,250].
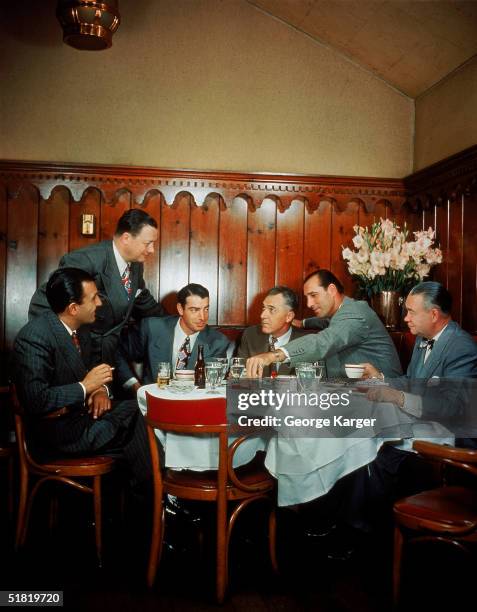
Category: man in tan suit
[275,328]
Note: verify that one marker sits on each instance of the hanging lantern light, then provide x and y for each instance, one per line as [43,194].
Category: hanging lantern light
[88,24]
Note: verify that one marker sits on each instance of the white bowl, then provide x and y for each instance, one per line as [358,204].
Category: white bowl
[185,375]
[354,370]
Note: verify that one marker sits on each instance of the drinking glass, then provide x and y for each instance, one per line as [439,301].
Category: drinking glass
[305,373]
[320,368]
[225,366]
[237,366]
[163,374]
[213,375]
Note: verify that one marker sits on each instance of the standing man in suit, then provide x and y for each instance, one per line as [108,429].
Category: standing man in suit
[174,339]
[65,399]
[275,330]
[117,268]
[352,333]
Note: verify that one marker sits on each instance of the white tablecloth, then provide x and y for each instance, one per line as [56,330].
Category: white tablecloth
[305,468]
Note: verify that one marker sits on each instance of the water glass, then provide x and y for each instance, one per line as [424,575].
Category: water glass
[305,373]
[213,374]
[237,366]
[225,366]
[320,368]
[163,374]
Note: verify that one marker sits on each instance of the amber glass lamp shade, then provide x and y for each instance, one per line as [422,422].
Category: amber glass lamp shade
[88,25]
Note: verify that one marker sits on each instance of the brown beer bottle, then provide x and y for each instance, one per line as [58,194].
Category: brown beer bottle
[199,372]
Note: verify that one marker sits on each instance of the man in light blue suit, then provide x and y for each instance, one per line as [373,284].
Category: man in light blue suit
[442,350]
[174,339]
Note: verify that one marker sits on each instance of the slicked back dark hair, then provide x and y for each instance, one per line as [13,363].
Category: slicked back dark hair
[435,295]
[326,278]
[191,289]
[289,296]
[133,220]
[65,287]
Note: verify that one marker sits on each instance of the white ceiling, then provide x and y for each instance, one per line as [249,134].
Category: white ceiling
[411,44]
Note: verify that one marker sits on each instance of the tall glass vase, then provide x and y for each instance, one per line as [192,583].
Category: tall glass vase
[387,305]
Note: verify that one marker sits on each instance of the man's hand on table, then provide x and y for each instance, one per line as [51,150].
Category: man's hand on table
[386,394]
[99,403]
[371,372]
[256,363]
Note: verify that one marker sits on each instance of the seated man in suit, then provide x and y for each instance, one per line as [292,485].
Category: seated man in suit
[174,339]
[275,330]
[63,390]
[442,350]
[117,268]
[352,333]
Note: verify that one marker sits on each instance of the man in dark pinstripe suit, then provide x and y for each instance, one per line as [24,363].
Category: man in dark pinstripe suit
[66,400]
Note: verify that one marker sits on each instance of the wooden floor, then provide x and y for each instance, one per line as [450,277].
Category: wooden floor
[64,560]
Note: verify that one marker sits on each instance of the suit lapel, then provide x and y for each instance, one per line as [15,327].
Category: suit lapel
[163,343]
[434,359]
[112,284]
[72,358]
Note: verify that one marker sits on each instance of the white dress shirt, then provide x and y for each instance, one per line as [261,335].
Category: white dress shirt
[120,261]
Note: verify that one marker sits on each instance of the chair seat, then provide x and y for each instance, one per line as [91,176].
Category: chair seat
[447,509]
[203,485]
[6,451]
[79,466]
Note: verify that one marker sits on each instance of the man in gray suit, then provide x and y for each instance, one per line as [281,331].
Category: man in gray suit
[352,333]
[275,330]
[117,268]
[174,339]
[442,350]
[63,391]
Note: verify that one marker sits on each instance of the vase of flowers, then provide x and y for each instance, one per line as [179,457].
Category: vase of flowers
[385,262]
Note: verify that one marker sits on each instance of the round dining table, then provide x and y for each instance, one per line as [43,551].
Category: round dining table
[305,467]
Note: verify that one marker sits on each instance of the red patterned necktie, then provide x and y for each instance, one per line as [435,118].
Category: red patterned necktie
[271,347]
[76,342]
[183,355]
[126,280]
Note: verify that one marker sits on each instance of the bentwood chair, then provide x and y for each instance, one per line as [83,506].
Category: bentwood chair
[82,473]
[230,489]
[447,514]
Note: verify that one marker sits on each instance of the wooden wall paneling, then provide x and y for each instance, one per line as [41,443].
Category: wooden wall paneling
[344,218]
[152,205]
[204,249]
[175,243]
[232,309]
[469,265]
[261,232]
[455,256]
[112,211]
[21,258]
[441,216]
[90,203]
[3,260]
[377,210]
[289,254]
[317,245]
[53,232]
